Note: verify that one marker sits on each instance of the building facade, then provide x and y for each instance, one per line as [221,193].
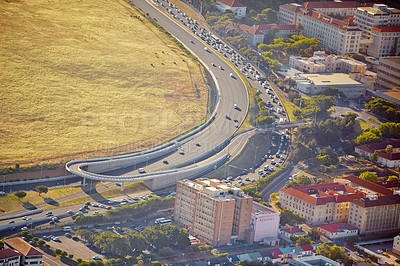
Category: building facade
[287,13]
[388,73]
[318,82]
[367,18]
[321,62]
[375,214]
[234,5]
[338,230]
[385,41]
[9,257]
[322,203]
[212,211]
[313,260]
[29,254]
[336,8]
[396,245]
[264,222]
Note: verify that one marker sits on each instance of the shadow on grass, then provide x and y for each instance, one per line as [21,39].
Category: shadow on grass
[90,190]
[51,201]
[29,206]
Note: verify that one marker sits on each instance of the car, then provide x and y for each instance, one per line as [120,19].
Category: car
[26,218]
[235,120]
[124,200]
[397,260]
[117,223]
[55,218]
[96,257]
[213,64]
[165,162]
[236,125]
[95,205]
[49,214]
[87,203]
[198,144]
[192,41]
[141,171]
[75,238]
[229,244]
[29,225]
[220,67]
[24,228]
[70,212]
[68,235]
[231,75]
[11,222]
[181,152]
[247,179]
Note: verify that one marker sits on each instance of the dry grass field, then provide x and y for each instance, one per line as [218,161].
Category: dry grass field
[89,78]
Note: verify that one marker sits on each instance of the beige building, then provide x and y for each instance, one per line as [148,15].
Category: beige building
[213,211]
[396,245]
[385,41]
[29,254]
[234,5]
[256,33]
[391,160]
[287,13]
[335,8]
[367,18]
[340,36]
[322,203]
[375,214]
[319,82]
[388,73]
[321,62]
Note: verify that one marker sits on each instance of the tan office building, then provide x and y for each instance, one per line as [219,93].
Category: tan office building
[213,211]
[375,214]
[388,73]
[322,203]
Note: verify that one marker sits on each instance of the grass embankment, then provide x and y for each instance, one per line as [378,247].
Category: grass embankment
[93,79]
[362,125]
[254,150]
[54,197]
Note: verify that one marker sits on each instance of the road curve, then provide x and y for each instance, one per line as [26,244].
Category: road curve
[205,141]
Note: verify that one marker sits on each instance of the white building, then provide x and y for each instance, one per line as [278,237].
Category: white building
[257,33]
[319,82]
[322,62]
[9,257]
[313,260]
[338,230]
[385,41]
[287,13]
[340,36]
[334,8]
[265,223]
[234,5]
[391,160]
[30,255]
[396,245]
[367,18]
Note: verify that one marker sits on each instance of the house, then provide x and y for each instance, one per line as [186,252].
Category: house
[257,33]
[9,257]
[234,5]
[287,232]
[338,230]
[391,160]
[30,255]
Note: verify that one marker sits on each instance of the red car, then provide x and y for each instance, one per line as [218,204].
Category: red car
[235,120]
[108,207]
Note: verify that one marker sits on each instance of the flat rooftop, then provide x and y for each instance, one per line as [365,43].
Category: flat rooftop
[259,209]
[330,79]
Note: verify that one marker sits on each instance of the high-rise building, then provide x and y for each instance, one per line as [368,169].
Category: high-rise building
[322,203]
[388,73]
[385,41]
[213,211]
[375,214]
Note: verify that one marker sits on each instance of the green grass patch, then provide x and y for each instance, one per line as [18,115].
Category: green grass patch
[374,120]
[290,108]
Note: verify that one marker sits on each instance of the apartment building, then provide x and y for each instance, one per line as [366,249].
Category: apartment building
[287,13]
[396,245]
[319,82]
[234,5]
[29,254]
[340,36]
[320,203]
[369,188]
[385,41]
[368,17]
[256,34]
[336,8]
[388,73]
[321,62]
[213,211]
[387,159]
[375,214]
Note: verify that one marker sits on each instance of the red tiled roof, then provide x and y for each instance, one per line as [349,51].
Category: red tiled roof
[307,247]
[293,230]
[291,7]
[346,24]
[8,253]
[389,184]
[257,29]
[276,253]
[380,201]
[369,185]
[22,247]
[335,228]
[334,4]
[324,193]
[378,147]
[231,3]
[387,29]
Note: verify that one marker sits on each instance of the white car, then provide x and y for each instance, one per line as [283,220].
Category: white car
[141,171]
[231,75]
[24,228]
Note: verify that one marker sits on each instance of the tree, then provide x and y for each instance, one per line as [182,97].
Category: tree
[332,252]
[71,256]
[57,251]
[64,254]
[274,197]
[369,176]
[393,178]
[314,234]
[42,189]
[303,240]
[165,251]
[369,136]
[41,243]
[20,194]
[374,157]
[389,149]
[290,218]
[327,157]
